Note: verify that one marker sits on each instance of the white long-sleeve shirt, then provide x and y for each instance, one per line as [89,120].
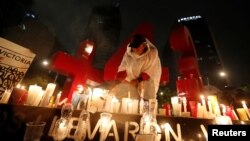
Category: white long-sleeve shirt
[148,62]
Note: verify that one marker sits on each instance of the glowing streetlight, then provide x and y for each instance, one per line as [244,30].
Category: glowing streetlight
[45,62]
[222,74]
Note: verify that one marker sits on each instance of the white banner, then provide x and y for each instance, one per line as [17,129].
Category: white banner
[14,62]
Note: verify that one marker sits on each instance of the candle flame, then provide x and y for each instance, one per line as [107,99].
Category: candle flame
[202,96]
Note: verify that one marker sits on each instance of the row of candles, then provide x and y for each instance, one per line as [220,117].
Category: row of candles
[102,100]
[209,108]
[34,96]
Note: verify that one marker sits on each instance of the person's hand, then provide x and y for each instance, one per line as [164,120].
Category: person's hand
[134,82]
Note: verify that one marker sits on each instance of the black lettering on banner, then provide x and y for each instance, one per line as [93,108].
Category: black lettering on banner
[9,76]
[241,132]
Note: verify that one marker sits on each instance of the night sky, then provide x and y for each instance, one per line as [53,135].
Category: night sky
[228,20]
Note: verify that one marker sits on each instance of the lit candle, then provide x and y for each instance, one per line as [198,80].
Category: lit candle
[125,107]
[135,106]
[129,106]
[174,102]
[242,113]
[5,97]
[203,102]
[184,100]
[96,100]
[47,94]
[153,106]
[108,107]
[246,108]
[58,99]
[209,106]
[35,94]
[223,120]
[200,110]
[116,105]
[223,109]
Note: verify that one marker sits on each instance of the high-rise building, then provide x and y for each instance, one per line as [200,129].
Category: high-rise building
[104,28]
[208,58]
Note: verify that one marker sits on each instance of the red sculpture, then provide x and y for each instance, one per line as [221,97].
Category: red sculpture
[79,68]
[189,83]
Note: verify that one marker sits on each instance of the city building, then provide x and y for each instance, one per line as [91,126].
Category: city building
[208,57]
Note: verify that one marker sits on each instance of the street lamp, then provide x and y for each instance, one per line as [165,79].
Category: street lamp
[45,62]
[222,74]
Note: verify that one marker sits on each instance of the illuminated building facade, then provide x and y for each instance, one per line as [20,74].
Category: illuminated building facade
[210,65]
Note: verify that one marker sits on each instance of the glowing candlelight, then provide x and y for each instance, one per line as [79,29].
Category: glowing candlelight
[175,105]
[95,99]
[128,94]
[129,106]
[184,100]
[58,98]
[200,110]
[116,105]
[223,109]
[203,102]
[242,113]
[223,120]
[246,108]
[209,106]
[5,97]
[47,94]
[126,105]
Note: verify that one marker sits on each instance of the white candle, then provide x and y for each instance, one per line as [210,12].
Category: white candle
[96,100]
[199,110]
[153,104]
[35,94]
[6,96]
[223,109]
[124,108]
[38,97]
[30,96]
[174,102]
[203,102]
[184,100]
[246,108]
[116,106]
[129,106]
[47,94]
[217,109]
[58,99]
[135,106]
[108,107]
[128,94]
[209,106]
